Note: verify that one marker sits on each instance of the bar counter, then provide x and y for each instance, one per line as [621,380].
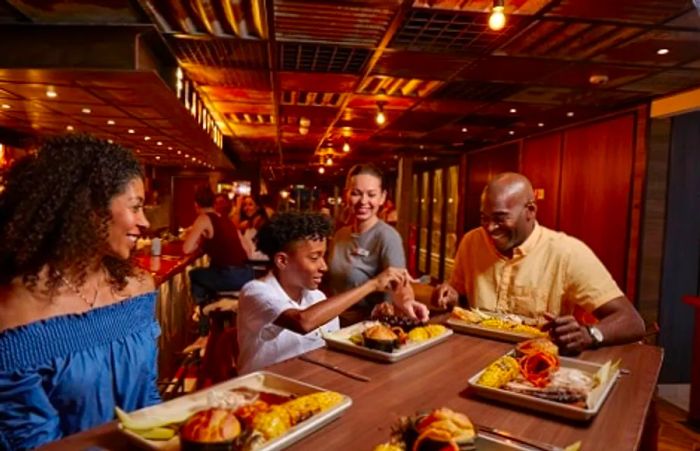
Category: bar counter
[438,377]
[174,305]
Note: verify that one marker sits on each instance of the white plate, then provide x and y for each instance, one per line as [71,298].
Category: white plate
[341,340]
[261,380]
[488,332]
[547,406]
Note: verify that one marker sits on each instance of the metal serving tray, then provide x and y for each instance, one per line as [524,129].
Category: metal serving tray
[341,340]
[261,380]
[595,399]
[487,332]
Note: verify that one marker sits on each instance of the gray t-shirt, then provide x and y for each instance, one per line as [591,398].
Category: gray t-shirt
[356,258]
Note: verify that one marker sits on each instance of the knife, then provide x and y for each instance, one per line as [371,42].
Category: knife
[335,368]
[532,443]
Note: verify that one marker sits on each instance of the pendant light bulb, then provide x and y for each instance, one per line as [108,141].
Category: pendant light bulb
[321,170]
[346,147]
[497,20]
[380,118]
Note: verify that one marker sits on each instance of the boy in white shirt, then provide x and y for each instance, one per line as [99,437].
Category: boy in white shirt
[281,315]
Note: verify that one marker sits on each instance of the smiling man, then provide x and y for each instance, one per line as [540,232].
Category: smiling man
[284,314]
[513,264]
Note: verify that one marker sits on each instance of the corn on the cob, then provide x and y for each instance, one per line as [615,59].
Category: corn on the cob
[500,372]
[279,419]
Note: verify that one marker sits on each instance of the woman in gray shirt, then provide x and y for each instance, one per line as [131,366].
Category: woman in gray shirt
[366,246]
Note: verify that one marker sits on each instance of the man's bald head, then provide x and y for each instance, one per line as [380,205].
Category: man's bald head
[508,210]
[512,187]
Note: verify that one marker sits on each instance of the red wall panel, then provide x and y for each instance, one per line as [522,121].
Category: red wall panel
[596,185]
[541,162]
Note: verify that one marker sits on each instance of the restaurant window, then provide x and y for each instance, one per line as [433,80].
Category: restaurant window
[436,218]
[424,223]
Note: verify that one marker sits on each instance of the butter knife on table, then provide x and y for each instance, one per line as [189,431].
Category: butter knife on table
[335,368]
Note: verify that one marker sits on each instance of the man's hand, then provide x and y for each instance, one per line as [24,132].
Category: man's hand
[569,335]
[444,296]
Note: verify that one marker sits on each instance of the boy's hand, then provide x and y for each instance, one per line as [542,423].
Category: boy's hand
[392,279]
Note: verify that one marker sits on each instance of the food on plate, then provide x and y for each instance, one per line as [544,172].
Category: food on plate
[276,421]
[503,321]
[439,430]
[380,337]
[215,426]
[244,420]
[536,371]
[386,313]
[536,345]
[500,372]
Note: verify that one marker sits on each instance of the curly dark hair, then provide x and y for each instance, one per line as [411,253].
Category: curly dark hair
[54,210]
[284,229]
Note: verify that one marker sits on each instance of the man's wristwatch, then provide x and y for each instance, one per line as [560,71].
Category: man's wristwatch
[596,336]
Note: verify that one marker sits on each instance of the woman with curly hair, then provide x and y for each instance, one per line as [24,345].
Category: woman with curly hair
[77,325]
[282,314]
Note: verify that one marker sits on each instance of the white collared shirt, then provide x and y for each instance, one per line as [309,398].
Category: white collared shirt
[263,343]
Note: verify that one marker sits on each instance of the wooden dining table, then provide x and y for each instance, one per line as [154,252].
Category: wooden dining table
[438,377]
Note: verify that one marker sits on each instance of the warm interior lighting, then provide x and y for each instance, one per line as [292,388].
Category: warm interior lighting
[346,147]
[70,128]
[497,19]
[511,132]
[179,152]
[110,122]
[321,170]
[513,111]
[284,194]
[157,157]
[540,124]
[380,118]
[131,131]
[159,143]
[146,138]
[329,161]
[464,130]
[86,110]
[110,141]
[51,93]
[570,114]
[5,106]
[662,52]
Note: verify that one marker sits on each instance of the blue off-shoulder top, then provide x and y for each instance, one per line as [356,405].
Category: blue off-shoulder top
[64,374]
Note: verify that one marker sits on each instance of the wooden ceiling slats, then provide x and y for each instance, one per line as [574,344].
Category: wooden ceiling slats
[265,64]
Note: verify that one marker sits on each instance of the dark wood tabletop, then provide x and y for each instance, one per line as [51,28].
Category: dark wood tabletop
[438,377]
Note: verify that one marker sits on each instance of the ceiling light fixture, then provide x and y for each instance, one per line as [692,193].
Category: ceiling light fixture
[511,132]
[51,93]
[513,111]
[329,161]
[570,114]
[540,124]
[159,143]
[497,19]
[464,130]
[346,147]
[146,138]
[70,128]
[110,122]
[157,157]
[131,131]
[304,123]
[86,110]
[110,141]
[5,106]
[321,170]
[662,52]
[380,118]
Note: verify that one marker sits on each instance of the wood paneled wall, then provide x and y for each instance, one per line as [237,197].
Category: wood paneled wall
[596,184]
[590,179]
[541,163]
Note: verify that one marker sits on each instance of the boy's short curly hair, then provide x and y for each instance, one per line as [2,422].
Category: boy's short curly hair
[284,229]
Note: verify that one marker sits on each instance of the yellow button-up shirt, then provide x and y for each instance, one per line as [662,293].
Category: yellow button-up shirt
[549,272]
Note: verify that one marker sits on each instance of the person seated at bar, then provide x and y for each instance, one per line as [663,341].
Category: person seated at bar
[77,321]
[366,246]
[513,264]
[218,238]
[284,313]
